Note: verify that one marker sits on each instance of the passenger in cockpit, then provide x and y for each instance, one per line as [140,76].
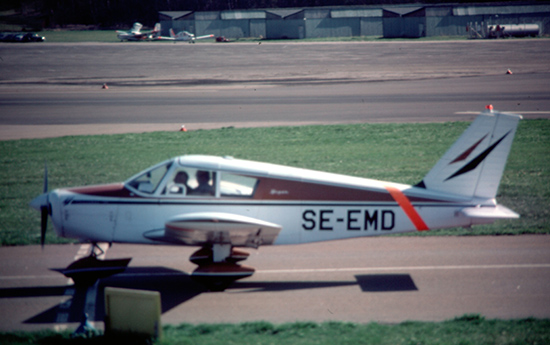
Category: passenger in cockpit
[204,187]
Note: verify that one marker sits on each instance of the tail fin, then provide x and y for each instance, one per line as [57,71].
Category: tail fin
[136,28]
[473,166]
[172,34]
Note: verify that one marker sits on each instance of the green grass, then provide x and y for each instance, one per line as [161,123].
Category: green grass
[110,36]
[469,329]
[80,36]
[392,152]
[107,36]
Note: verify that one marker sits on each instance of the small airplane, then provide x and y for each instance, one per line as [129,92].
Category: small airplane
[135,33]
[182,36]
[222,204]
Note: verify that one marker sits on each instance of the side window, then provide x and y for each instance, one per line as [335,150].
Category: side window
[149,181]
[232,185]
[193,182]
[179,184]
[204,183]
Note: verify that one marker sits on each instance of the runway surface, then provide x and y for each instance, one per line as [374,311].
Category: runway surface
[55,90]
[161,87]
[384,279]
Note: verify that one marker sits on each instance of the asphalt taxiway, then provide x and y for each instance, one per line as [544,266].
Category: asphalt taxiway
[383,279]
[156,87]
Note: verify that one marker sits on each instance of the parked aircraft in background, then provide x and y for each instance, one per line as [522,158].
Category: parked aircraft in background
[182,36]
[135,34]
[221,203]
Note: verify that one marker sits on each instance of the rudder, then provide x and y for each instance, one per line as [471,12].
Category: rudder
[474,164]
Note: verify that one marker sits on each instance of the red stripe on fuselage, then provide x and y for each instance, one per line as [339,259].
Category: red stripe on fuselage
[288,190]
[115,190]
[406,205]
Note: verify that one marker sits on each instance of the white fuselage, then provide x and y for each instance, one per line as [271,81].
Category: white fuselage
[308,205]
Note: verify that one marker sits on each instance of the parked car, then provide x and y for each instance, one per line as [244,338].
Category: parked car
[21,37]
[32,37]
[222,39]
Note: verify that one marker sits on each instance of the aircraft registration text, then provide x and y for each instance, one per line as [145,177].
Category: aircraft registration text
[350,220]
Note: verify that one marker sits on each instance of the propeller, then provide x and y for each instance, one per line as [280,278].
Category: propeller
[42,203]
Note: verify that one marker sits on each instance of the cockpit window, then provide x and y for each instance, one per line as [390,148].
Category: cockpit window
[232,185]
[149,181]
[206,182]
[178,186]
[192,182]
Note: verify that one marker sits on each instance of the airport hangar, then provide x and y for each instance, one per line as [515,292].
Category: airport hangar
[408,21]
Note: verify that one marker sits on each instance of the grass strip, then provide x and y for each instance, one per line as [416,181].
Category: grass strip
[392,152]
[110,36]
[468,329]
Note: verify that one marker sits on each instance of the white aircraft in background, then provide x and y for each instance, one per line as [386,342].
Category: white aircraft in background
[182,36]
[221,203]
[135,33]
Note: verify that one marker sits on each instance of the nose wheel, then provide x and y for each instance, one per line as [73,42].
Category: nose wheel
[218,267]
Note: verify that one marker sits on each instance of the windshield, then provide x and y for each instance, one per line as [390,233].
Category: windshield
[148,181]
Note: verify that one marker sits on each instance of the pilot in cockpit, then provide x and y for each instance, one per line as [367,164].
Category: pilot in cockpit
[179,186]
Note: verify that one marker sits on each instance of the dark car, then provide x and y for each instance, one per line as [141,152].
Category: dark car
[32,37]
[6,37]
[21,37]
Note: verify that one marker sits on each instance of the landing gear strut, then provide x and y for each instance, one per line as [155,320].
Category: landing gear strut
[218,266]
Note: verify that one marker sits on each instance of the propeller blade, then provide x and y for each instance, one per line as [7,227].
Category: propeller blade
[45,178]
[44,224]
[44,208]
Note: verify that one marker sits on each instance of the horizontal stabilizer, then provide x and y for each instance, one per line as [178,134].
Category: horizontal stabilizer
[489,213]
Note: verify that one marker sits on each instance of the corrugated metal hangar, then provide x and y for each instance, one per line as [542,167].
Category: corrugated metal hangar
[382,21]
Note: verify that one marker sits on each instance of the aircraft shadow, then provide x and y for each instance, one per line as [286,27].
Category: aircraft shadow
[177,287]
[285,285]
[69,311]
[367,283]
[37,291]
[386,282]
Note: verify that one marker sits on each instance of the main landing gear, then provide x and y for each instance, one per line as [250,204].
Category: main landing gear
[218,266]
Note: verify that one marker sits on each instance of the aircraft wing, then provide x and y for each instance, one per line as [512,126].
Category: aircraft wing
[164,38]
[132,36]
[205,36]
[216,227]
